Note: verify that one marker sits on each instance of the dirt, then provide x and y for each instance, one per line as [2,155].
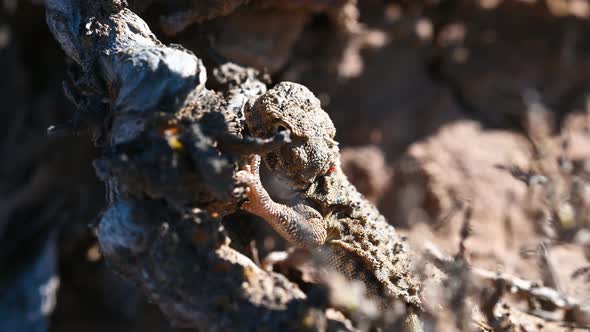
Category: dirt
[439,179]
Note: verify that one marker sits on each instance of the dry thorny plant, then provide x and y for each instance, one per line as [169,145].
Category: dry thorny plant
[558,203]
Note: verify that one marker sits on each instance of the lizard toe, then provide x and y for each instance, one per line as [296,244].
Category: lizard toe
[246,206]
[255,165]
[245,176]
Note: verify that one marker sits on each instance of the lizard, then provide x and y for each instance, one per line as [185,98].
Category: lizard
[312,204]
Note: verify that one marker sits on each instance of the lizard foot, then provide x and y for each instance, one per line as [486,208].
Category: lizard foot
[257,195]
[300,225]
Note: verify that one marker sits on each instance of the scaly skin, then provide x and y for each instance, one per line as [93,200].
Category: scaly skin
[318,207]
[299,225]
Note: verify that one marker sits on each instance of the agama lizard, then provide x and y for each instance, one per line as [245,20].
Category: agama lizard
[313,205]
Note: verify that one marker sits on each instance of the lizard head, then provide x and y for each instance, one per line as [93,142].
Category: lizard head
[313,151]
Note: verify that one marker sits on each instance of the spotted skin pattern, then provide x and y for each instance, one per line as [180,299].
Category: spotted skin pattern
[315,206]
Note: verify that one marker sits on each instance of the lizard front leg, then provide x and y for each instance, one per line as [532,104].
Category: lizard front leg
[301,225]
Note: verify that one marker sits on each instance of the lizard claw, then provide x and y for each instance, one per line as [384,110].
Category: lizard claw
[247,206]
[250,176]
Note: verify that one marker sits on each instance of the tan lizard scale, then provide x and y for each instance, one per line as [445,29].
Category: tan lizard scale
[318,208]
[300,225]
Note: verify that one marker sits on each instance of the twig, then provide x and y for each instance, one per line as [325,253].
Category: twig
[254,252]
[527,287]
[465,231]
[490,303]
[515,284]
[581,271]
[453,211]
[273,258]
[550,277]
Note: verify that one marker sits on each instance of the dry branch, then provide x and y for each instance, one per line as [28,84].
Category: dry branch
[514,284]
